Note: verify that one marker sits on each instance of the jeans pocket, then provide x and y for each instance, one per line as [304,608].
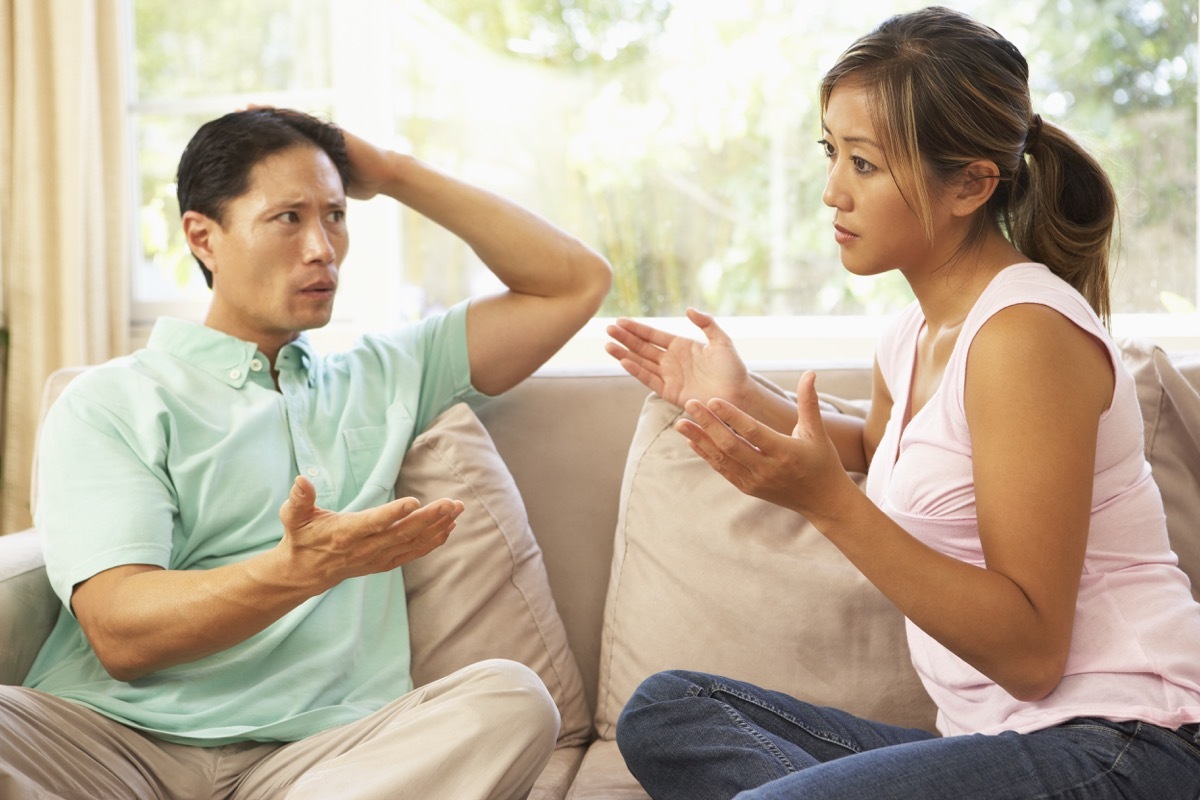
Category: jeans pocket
[1190,735]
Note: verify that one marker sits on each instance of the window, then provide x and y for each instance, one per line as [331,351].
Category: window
[675,136]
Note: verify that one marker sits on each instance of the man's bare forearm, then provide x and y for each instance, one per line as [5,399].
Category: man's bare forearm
[141,618]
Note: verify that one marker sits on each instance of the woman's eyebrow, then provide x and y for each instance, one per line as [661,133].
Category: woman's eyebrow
[852,139]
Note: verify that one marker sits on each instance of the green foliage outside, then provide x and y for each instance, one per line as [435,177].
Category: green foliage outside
[678,136]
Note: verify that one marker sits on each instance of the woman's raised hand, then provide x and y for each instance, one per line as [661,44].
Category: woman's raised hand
[677,368]
[802,471]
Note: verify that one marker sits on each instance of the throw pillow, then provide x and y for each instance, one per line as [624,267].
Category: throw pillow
[1169,396]
[704,577]
[484,593]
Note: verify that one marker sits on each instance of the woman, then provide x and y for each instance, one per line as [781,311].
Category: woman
[1009,511]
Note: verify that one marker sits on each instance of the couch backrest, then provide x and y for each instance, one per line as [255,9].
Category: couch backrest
[565,435]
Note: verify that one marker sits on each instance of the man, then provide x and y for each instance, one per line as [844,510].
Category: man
[218,512]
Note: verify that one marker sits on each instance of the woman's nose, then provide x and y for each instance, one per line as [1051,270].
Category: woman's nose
[834,195]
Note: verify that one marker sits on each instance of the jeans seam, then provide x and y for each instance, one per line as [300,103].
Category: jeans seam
[1128,738]
[763,741]
[755,700]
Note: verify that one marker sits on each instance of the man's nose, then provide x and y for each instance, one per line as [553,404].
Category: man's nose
[317,244]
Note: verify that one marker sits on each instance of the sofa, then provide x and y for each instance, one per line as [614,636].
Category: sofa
[598,549]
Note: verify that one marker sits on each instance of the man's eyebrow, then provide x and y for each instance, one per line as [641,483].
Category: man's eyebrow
[283,203]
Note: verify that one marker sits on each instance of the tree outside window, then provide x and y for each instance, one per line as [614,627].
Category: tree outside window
[676,136]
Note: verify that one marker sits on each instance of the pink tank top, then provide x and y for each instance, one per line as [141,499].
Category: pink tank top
[1135,649]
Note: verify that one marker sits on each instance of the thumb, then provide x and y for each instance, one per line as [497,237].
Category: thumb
[808,407]
[708,324]
[300,504]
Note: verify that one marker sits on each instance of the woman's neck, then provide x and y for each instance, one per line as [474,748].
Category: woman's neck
[948,292]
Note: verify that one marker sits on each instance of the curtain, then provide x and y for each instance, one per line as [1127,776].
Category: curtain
[63,210]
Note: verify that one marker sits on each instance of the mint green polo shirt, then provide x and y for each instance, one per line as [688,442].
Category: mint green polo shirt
[180,456]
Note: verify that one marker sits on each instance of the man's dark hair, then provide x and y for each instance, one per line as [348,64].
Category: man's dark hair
[215,166]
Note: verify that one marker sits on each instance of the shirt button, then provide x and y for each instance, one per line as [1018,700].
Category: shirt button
[234,374]
[313,472]
[256,365]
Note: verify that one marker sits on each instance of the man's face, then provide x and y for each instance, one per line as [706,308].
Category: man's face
[275,257]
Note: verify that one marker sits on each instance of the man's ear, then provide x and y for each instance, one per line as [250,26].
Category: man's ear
[200,231]
[978,180]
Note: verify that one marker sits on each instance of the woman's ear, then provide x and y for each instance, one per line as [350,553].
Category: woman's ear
[978,181]
[199,231]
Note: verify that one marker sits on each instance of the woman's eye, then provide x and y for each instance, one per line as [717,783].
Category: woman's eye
[862,166]
[826,147]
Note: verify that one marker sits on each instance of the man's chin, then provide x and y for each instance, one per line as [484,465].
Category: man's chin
[314,320]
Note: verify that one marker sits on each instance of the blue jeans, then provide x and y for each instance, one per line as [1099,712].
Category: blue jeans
[694,736]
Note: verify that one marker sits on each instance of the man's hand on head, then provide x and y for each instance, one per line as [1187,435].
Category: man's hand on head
[370,167]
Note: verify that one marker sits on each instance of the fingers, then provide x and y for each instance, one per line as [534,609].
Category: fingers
[634,346]
[633,334]
[724,436]
[383,538]
[406,515]
[422,531]
[636,354]
[728,427]
[637,368]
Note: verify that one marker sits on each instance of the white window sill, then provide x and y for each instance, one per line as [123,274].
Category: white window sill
[763,341]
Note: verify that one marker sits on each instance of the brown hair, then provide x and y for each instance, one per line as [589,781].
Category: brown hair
[946,91]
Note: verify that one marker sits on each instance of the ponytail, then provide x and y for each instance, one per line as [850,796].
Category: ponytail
[1062,212]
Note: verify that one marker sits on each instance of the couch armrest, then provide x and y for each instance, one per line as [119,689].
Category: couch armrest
[28,606]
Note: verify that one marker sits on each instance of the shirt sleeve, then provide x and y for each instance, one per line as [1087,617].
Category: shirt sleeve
[433,351]
[104,496]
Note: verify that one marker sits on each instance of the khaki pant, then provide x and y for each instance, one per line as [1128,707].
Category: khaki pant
[484,732]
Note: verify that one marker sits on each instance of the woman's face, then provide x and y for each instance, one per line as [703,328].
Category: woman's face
[874,226]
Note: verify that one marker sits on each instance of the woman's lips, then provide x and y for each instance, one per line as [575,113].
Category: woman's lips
[842,235]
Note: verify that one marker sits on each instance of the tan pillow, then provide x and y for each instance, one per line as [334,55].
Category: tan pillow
[1169,396]
[706,578]
[483,594]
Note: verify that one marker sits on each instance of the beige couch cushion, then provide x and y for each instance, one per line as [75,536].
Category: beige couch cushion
[603,776]
[704,577]
[1169,396]
[484,594]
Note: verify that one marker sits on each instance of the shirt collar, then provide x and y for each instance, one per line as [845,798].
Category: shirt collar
[225,357]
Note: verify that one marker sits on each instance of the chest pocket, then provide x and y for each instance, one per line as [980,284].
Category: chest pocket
[366,456]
